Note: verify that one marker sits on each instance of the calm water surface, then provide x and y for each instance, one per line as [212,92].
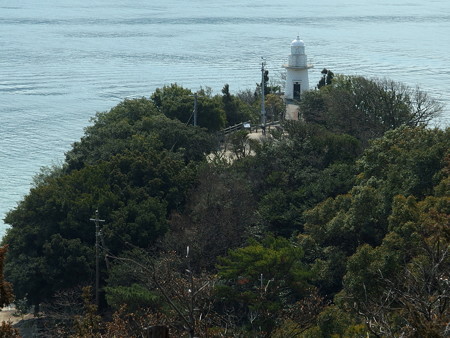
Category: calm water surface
[62,61]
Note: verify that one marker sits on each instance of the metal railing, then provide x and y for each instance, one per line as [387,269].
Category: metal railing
[247,125]
[236,127]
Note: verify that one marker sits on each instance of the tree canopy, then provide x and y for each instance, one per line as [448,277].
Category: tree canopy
[334,225]
[134,165]
[366,108]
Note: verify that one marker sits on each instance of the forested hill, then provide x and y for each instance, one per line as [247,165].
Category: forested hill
[334,225]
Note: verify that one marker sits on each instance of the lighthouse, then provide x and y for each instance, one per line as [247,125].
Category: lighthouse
[296,71]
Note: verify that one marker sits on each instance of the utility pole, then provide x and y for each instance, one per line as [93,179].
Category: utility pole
[97,220]
[195,109]
[263,107]
[192,294]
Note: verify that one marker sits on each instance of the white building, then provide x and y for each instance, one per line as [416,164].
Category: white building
[296,71]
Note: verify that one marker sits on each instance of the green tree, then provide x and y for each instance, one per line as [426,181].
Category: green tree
[177,102]
[110,132]
[402,286]
[260,279]
[174,101]
[313,107]
[249,105]
[333,322]
[51,233]
[231,107]
[327,78]
[134,296]
[134,165]
[139,123]
[306,165]
[211,114]
[350,220]
[405,161]
[275,107]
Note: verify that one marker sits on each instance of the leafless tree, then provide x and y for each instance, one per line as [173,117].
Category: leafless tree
[415,302]
[189,296]
[219,212]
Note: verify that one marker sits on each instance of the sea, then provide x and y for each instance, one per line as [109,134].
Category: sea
[62,61]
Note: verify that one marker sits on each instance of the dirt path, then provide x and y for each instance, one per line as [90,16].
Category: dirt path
[6,314]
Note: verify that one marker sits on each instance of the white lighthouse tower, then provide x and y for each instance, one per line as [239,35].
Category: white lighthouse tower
[296,71]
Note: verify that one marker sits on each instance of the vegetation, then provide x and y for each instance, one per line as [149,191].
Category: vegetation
[333,226]
[6,298]
[367,108]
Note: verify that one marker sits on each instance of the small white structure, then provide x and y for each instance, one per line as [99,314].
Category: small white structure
[296,71]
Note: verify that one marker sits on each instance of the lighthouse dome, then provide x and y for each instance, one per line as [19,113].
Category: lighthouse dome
[298,48]
[297,43]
